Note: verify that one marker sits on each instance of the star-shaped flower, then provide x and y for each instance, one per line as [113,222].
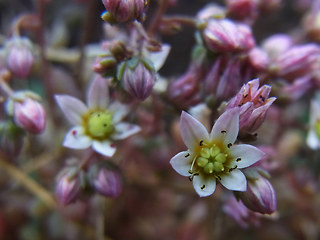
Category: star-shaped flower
[212,157]
[99,123]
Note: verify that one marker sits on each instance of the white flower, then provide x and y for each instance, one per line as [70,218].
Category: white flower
[212,156]
[98,123]
[313,140]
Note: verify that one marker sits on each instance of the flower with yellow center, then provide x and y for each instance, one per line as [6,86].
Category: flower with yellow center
[213,157]
[97,124]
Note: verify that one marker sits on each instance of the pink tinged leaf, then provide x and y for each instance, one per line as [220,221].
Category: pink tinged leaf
[204,186]
[192,131]
[124,130]
[76,139]
[105,148]
[181,163]
[234,181]
[227,126]
[245,155]
[119,111]
[98,95]
[72,108]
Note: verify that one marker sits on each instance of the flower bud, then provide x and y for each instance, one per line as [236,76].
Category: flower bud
[259,59]
[104,65]
[124,10]
[227,36]
[296,61]
[211,11]
[254,103]
[68,186]
[242,9]
[30,115]
[238,211]
[184,91]
[106,179]
[277,44]
[138,78]
[260,196]
[19,57]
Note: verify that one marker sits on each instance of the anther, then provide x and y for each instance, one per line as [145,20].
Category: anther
[201,142]
[245,96]
[190,171]
[223,131]
[203,186]
[187,155]
[238,159]
[191,178]
[219,177]
[229,145]
[262,98]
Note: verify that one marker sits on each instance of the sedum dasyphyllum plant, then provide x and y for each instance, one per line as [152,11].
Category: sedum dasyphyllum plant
[159,119]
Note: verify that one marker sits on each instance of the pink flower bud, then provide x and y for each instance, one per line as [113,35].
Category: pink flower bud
[277,44]
[138,80]
[227,36]
[106,179]
[238,211]
[30,115]
[296,61]
[108,183]
[19,57]
[259,59]
[243,9]
[254,103]
[184,91]
[260,196]
[211,11]
[125,10]
[68,187]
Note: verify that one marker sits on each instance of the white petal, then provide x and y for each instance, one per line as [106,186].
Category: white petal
[159,58]
[98,95]
[76,139]
[105,148]
[204,186]
[119,111]
[227,126]
[235,181]
[313,140]
[181,164]
[248,154]
[192,131]
[124,130]
[72,108]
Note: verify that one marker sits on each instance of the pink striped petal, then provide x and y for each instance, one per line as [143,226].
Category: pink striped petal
[98,95]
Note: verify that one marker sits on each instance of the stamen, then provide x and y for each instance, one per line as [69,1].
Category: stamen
[238,160]
[201,142]
[193,161]
[203,186]
[229,145]
[219,177]
[262,98]
[187,155]
[223,131]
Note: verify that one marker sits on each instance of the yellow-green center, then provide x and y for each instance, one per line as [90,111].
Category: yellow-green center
[211,159]
[100,124]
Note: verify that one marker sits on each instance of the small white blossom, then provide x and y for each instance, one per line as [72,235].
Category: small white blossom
[99,123]
[212,157]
